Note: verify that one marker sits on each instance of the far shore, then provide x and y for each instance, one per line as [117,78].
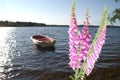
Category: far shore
[59,26]
[34,24]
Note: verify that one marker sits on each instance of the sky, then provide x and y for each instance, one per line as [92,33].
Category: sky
[54,11]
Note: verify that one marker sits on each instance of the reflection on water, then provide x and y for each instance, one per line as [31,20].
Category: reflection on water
[5,52]
[21,60]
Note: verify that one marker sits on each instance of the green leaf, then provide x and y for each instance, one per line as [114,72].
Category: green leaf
[71,77]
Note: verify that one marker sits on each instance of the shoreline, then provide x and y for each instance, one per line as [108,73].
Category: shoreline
[35,24]
[59,26]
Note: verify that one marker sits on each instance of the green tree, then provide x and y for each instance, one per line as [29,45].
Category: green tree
[117,0]
[115,15]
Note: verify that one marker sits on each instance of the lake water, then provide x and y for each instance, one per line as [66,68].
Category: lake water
[21,60]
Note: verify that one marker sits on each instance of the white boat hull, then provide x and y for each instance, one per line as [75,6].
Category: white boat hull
[44,44]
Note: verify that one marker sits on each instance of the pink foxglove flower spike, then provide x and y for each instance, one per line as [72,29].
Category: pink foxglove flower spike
[79,43]
[83,55]
[74,39]
[97,44]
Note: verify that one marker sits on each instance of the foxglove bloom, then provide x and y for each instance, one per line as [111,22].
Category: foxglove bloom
[79,42]
[85,39]
[96,45]
[83,55]
[74,42]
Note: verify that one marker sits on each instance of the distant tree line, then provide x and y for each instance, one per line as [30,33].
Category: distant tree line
[20,24]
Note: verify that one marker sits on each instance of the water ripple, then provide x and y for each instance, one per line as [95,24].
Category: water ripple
[21,60]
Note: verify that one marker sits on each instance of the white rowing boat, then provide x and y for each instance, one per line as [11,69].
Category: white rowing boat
[43,41]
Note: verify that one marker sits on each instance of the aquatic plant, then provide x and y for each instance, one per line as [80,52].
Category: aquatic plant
[83,55]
